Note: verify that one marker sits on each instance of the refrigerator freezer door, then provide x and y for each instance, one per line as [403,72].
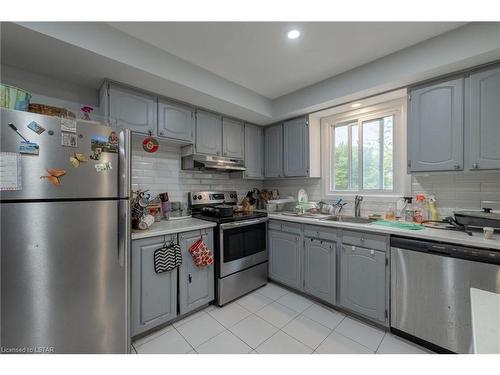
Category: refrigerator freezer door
[63,278]
[84,181]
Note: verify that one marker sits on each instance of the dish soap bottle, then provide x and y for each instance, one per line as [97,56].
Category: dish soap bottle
[433,212]
[420,211]
[408,211]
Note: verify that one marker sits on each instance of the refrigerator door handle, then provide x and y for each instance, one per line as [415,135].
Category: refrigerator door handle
[123,231]
[124,163]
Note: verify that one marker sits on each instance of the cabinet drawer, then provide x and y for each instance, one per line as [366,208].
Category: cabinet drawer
[285,226]
[322,233]
[367,240]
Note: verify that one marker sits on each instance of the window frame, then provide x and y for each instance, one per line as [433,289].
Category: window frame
[394,108]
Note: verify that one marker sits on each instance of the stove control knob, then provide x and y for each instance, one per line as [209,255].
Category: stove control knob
[194,197]
[199,196]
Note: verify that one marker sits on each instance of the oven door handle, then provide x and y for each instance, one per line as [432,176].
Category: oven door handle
[244,223]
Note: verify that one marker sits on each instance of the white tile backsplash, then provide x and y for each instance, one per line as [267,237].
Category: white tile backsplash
[453,191]
[161,171]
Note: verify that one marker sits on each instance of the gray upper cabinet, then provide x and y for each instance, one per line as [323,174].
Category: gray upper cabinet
[233,138]
[285,258]
[208,133]
[362,281]
[484,120]
[319,269]
[132,110]
[254,151]
[435,127]
[176,121]
[196,285]
[296,148]
[273,151]
[153,296]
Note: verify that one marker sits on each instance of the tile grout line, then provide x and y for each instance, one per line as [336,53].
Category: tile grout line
[349,338]
[381,341]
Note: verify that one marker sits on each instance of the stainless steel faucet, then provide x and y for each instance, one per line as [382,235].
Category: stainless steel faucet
[357,205]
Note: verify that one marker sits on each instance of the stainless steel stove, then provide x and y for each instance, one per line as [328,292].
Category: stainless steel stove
[241,255]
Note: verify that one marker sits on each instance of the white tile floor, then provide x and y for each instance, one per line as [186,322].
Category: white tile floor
[272,320]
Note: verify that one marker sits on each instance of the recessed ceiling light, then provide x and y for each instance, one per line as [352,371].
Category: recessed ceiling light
[293,34]
[355,105]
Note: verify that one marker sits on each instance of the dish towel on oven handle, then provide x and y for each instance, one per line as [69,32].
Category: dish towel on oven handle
[167,258]
[202,255]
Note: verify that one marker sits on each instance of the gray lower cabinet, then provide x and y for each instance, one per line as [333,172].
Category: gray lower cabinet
[176,121]
[273,149]
[362,281]
[196,285]
[233,138]
[296,148]
[285,258]
[132,109]
[319,269]
[153,296]
[484,120]
[254,151]
[208,133]
[435,127]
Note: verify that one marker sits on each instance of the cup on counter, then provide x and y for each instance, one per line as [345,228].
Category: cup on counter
[488,233]
[146,222]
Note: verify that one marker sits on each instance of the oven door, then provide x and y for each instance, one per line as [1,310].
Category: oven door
[243,244]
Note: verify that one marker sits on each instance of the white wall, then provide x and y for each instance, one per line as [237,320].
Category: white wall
[50,91]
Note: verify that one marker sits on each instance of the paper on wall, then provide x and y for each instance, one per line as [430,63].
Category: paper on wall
[10,171]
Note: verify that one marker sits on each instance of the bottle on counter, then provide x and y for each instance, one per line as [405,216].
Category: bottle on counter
[433,212]
[390,214]
[408,211]
[420,209]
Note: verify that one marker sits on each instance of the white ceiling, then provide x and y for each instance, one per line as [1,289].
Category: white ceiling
[258,55]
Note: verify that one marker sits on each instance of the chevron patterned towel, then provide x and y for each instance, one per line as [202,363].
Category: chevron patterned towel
[167,258]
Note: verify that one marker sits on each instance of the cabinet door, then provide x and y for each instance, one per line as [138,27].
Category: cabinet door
[254,151]
[296,148]
[319,269]
[208,133]
[285,253]
[196,285]
[484,121]
[435,127]
[233,138]
[175,121]
[132,110]
[154,296]
[362,281]
[273,143]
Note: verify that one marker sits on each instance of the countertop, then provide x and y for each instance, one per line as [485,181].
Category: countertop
[485,308]
[172,226]
[448,236]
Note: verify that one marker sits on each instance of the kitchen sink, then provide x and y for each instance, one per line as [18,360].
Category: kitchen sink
[305,215]
[349,219]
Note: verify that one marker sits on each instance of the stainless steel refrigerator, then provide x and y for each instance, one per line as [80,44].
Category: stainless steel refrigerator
[65,240]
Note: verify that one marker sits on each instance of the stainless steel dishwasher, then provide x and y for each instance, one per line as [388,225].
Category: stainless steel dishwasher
[430,290]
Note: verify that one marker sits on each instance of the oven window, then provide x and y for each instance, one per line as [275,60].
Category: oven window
[242,242]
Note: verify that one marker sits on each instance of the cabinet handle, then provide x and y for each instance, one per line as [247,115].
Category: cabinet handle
[297,239]
[475,165]
[408,163]
[456,166]
[372,252]
[362,240]
[353,248]
[190,279]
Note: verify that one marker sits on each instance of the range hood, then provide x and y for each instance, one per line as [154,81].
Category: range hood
[201,162]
